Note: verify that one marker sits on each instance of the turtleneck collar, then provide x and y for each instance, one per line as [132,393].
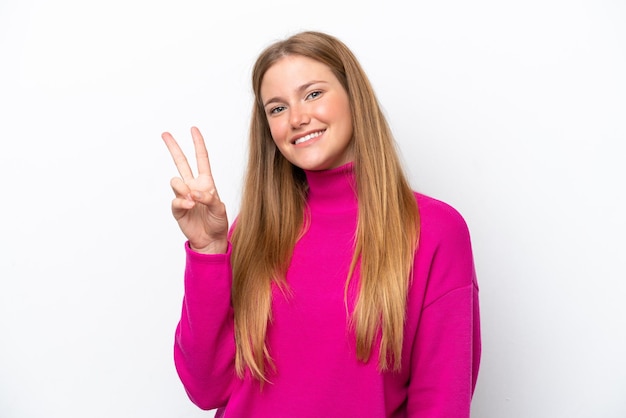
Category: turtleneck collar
[332,190]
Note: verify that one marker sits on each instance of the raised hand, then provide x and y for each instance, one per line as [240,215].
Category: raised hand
[197,207]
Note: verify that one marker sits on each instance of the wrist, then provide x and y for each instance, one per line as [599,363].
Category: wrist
[214,247]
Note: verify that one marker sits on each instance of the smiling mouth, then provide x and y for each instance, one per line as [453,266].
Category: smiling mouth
[308,137]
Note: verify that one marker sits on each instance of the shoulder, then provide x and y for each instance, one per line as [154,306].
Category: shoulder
[437,214]
[440,222]
[444,256]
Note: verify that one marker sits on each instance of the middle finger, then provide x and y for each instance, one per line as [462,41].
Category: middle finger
[182,165]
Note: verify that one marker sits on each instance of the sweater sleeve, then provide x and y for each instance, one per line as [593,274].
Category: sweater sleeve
[446,351]
[204,349]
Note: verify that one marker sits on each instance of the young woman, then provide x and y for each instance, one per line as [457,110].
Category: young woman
[338,292]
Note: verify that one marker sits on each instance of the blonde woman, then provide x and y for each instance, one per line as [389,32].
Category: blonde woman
[338,291]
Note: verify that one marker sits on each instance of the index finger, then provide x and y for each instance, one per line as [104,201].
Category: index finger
[182,165]
[202,156]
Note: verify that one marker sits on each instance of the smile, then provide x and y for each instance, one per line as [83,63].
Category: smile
[308,137]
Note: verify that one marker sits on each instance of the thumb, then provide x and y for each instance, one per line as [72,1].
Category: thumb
[208,198]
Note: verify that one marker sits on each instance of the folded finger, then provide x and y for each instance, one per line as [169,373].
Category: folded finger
[180,188]
[180,205]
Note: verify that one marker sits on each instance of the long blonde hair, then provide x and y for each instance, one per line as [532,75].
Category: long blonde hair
[272,217]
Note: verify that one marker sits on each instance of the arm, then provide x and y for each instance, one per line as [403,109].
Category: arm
[204,350]
[446,352]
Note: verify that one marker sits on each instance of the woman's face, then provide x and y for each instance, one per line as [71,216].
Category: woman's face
[308,111]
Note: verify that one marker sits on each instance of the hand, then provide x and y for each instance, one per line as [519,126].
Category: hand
[200,213]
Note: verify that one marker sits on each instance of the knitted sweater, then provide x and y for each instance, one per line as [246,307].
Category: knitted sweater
[317,371]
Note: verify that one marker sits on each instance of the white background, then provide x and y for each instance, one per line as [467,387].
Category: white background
[513,112]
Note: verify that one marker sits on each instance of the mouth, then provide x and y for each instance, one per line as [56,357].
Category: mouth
[308,137]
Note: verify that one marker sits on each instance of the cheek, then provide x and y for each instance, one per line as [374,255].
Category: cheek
[277,129]
[338,110]
[325,111]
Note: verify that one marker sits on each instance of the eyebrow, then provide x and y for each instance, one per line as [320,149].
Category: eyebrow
[299,90]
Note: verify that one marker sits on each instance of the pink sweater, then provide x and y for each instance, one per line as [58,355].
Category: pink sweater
[317,372]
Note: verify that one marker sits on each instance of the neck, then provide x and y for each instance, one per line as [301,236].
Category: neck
[331,190]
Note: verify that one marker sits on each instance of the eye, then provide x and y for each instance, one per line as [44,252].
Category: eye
[314,94]
[276,110]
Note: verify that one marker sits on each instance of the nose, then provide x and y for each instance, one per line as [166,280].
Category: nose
[298,116]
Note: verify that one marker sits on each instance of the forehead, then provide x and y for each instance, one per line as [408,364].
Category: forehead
[291,72]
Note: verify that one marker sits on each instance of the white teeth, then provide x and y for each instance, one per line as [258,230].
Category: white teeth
[308,137]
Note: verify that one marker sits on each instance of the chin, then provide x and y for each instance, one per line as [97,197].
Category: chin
[314,165]
[316,161]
